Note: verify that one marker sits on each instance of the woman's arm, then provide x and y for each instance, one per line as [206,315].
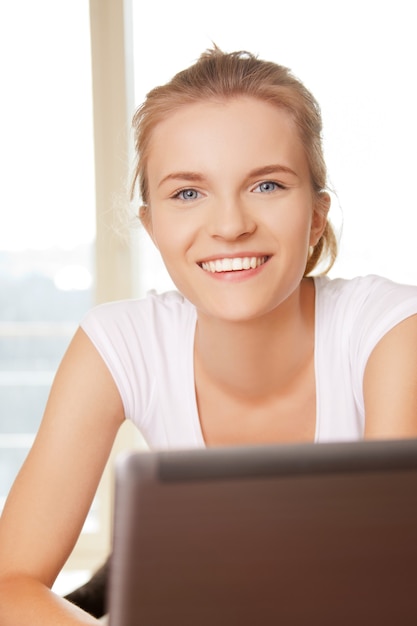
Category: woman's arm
[52,494]
[390,384]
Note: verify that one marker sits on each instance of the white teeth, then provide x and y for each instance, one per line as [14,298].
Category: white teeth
[233,265]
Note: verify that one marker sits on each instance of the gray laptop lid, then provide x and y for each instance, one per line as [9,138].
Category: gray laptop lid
[283,534]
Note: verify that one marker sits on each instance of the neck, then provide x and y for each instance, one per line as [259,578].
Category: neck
[256,358]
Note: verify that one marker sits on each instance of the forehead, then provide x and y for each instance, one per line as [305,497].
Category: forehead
[236,133]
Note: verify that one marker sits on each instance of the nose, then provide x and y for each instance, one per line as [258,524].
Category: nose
[230,220]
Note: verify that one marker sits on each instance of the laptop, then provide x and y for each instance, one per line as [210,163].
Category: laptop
[267,534]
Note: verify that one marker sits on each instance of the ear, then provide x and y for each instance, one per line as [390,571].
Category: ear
[146,220]
[145,217]
[319,220]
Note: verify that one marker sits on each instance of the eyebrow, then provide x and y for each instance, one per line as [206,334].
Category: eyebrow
[188,176]
[259,171]
[271,169]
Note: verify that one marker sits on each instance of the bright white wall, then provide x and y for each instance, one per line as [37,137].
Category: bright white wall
[358,58]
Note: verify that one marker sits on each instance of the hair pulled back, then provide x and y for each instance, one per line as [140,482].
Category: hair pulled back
[219,76]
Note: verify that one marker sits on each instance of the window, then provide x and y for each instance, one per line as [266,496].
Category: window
[47,211]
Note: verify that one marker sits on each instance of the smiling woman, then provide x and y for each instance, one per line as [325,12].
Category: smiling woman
[250,349]
[252,197]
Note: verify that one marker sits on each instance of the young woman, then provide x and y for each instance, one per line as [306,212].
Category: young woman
[251,349]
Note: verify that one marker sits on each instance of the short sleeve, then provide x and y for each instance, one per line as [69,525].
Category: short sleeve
[352,316]
[381,305]
[117,330]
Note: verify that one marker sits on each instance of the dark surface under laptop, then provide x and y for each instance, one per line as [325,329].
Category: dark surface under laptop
[278,534]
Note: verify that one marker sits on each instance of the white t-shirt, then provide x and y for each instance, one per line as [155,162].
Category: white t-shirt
[147,345]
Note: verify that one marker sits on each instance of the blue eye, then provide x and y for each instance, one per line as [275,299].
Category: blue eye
[267,186]
[187,194]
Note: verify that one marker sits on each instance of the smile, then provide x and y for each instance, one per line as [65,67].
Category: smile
[236,264]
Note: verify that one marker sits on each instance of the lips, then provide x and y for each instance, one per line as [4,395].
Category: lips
[234,264]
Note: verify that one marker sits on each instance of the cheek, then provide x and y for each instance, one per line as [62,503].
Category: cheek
[174,231]
[293,225]
[169,238]
[303,222]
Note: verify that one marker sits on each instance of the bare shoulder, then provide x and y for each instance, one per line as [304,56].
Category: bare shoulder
[83,375]
[390,383]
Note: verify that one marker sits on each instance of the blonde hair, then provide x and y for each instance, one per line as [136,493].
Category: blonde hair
[219,75]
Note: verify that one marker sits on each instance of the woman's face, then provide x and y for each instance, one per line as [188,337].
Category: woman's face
[231,205]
